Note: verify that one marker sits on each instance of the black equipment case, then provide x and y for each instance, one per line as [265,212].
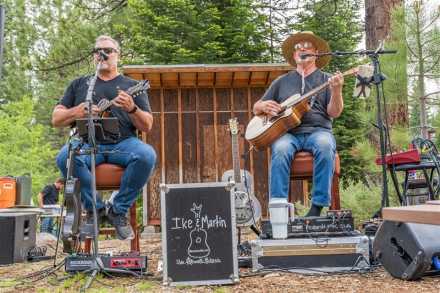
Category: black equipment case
[313,254]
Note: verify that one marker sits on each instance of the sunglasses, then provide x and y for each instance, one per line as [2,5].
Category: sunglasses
[105,50]
[303,45]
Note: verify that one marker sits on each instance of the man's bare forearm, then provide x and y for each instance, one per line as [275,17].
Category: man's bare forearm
[62,116]
[40,200]
[142,120]
[336,104]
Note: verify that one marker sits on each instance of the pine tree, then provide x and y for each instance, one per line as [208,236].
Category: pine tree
[184,31]
[423,38]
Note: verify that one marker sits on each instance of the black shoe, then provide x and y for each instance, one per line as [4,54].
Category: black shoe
[87,228]
[122,226]
[101,216]
[315,211]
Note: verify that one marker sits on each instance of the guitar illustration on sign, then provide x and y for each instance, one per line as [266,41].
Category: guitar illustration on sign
[198,247]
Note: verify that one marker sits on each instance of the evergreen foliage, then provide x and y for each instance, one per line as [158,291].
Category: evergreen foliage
[191,31]
[24,149]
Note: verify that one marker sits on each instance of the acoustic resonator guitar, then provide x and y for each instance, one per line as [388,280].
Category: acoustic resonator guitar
[247,206]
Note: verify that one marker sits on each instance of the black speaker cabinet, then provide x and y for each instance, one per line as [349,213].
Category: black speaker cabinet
[407,250]
[17,234]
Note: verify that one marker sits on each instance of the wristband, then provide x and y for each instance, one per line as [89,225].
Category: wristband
[134,110]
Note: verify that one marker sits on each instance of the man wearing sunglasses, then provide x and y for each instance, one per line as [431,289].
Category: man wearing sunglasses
[133,114]
[314,134]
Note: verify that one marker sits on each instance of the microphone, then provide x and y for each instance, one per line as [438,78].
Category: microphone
[303,56]
[102,55]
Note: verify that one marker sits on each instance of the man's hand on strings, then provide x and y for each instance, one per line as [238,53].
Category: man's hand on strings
[81,110]
[124,101]
[336,81]
[270,108]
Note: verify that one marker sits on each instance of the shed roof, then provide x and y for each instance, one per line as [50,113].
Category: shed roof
[208,75]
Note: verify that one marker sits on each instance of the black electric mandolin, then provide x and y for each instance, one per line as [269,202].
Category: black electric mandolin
[139,88]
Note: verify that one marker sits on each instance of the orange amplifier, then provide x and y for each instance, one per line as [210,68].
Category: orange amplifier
[7,192]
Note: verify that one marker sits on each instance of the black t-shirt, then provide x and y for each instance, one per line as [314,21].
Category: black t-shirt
[76,93]
[50,194]
[290,84]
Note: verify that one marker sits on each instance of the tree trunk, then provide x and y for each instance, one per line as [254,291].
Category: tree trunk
[421,72]
[378,28]
[377,20]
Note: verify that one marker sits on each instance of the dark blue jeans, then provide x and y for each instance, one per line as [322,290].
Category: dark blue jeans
[322,145]
[136,157]
[47,225]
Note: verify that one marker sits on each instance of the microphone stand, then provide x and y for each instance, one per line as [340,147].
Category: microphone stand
[377,80]
[98,266]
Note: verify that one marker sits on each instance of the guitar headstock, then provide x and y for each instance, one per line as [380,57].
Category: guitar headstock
[233,126]
[139,88]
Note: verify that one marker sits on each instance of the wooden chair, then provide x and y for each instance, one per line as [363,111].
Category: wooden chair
[108,177]
[302,169]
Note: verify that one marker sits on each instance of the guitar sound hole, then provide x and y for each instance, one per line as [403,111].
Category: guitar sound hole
[274,118]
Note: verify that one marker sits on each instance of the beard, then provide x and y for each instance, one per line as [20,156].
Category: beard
[306,61]
[107,66]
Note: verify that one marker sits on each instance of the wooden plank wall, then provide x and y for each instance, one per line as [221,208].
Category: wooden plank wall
[192,140]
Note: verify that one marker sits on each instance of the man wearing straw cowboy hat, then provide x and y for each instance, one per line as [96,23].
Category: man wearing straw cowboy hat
[314,134]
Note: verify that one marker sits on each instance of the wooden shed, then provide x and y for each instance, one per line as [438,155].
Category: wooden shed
[191,105]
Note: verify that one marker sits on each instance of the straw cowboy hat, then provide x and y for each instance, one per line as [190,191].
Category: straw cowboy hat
[288,47]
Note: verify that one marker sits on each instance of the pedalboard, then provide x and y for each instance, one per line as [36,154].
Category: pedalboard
[334,223]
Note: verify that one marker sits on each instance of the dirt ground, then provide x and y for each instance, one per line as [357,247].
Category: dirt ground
[15,278]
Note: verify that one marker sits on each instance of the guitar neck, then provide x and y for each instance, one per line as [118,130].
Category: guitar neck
[236,158]
[107,103]
[317,90]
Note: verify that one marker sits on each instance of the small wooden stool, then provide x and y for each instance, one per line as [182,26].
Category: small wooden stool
[108,177]
[302,169]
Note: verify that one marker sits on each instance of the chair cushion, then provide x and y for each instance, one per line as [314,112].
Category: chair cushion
[108,176]
[302,165]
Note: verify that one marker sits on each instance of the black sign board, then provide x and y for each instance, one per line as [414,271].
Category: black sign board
[199,242]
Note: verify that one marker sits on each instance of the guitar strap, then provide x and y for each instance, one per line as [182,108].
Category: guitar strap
[303,83]
[303,87]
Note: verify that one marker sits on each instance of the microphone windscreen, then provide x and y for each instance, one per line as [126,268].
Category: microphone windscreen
[103,55]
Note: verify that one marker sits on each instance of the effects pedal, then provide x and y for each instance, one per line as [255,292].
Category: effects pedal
[128,262]
[85,262]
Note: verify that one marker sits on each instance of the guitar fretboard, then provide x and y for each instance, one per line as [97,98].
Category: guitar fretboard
[313,92]
[236,158]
